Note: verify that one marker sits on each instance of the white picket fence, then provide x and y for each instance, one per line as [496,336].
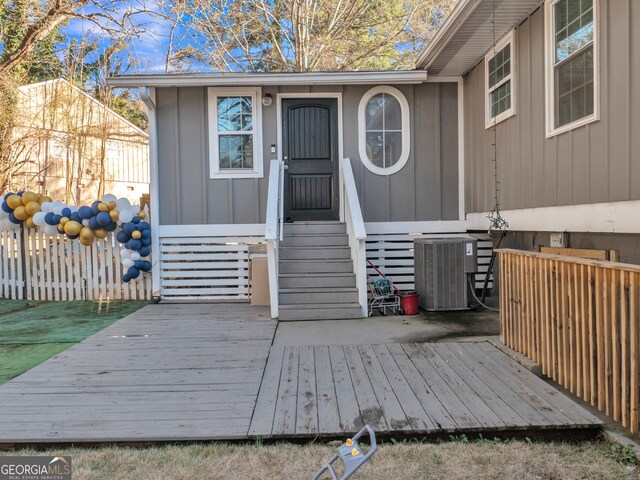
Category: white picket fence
[35,266]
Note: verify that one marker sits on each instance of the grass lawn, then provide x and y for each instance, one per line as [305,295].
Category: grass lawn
[32,332]
[402,461]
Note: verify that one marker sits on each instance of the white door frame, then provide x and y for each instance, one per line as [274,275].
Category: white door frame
[307,95]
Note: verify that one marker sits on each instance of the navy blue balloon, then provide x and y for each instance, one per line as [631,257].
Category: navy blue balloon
[126,278]
[73,237]
[13,219]
[139,264]
[133,244]
[48,218]
[103,218]
[75,217]
[6,208]
[136,220]
[110,227]
[57,218]
[85,212]
[147,266]
[20,193]
[133,272]
[8,194]
[66,212]
[145,242]
[142,226]
[129,227]
[122,236]
[94,207]
[144,251]
[146,234]
[93,224]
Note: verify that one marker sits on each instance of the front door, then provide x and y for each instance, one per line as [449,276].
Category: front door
[310,153]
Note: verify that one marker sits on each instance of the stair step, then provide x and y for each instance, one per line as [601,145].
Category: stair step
[319,311]
[313,280]
[321,228]
[315,239]
[324,295]
[313,253]
[316,266]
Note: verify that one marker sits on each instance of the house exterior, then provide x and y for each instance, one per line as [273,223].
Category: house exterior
[76,149]
[332,169]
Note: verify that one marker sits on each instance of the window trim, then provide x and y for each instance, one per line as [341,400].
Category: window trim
[362,130]
[214,154]
[508,39]
[549,64]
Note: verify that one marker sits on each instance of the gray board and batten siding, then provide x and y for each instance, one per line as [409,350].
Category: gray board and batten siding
[595,163]
[425,189]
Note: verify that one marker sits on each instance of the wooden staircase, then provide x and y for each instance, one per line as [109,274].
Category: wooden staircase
[316,280]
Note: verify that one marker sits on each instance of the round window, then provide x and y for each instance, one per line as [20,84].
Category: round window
[384,130]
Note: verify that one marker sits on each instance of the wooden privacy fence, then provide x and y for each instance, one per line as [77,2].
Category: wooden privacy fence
[36,266]
[579,320]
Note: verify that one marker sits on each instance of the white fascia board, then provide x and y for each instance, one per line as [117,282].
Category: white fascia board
[263,79]
[612,217]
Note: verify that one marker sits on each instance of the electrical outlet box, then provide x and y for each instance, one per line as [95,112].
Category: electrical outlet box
[558,240]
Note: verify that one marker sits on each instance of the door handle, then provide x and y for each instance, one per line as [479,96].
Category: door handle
[286,167]
[285,158]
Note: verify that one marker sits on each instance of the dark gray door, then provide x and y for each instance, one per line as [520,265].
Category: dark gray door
[310,151]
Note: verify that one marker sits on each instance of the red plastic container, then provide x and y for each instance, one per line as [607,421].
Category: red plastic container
[409,302]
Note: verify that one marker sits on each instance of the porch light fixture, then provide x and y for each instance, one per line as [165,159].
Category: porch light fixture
[267,100]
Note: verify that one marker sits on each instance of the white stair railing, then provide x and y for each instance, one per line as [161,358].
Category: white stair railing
[274,228]
[356,231]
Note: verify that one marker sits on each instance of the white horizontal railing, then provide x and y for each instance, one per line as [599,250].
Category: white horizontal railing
[274,228]
[356,231]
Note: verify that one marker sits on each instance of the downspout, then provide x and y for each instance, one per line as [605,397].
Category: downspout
[148,96]
[461,143]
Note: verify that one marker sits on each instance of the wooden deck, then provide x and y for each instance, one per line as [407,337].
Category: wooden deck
[407,389]
[205,372]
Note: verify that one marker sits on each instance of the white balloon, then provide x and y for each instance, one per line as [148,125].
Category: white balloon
[109,197]
[127,262]
[57,209]
[135,209]
[135,256]
[74,209]
[126,216]
[122,204]
[38,219]
[45,207]
[125,253]
[51,230]
[85,222]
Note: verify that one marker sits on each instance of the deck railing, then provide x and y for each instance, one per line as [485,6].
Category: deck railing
[579,320]
[356,231]
[274,228]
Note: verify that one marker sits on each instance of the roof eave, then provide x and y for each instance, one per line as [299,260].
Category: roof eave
[267,79]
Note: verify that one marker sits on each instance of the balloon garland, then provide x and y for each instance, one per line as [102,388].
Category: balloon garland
[84,223]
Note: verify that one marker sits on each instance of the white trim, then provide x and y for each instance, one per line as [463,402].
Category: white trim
[219,230]
[436,226]
[336,95]
[461,139]
[234,79]
[406,130]
[508,39]
[215,171]
[148,96]
[611,217]
[549,64]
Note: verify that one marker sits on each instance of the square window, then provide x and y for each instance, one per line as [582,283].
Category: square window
[500,65]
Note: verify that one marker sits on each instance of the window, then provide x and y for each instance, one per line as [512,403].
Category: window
[383,127]
[571,59]
[234,128]
[499,65]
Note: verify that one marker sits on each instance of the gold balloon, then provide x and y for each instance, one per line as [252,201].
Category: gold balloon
[101,233]
[64,220]
[29,222]
[103,207]
[114,214]
[112,205]
[14,201]
[86,233]
[72,228]
[44,198]
[141,214]
[60,228]
[136,234]
[32,208]
[28,197]
[20,213]
[86,242]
